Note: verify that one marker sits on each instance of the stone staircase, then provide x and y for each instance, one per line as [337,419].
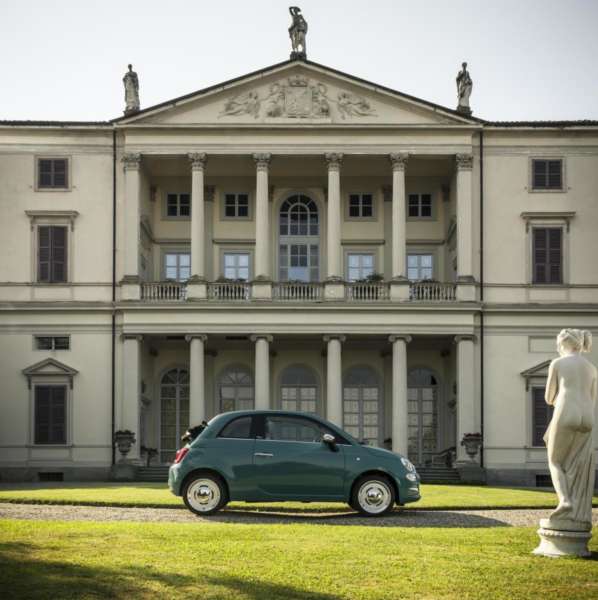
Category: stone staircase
[438,474]
[157,474]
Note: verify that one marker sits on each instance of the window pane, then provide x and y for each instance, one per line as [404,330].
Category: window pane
[243,260]
[238,429]
[412,260]
[426,260]
[43,343]
[367,260]
[243,211]
[61,343]
[184,260]
[171,272]
[171,260]
[353,260]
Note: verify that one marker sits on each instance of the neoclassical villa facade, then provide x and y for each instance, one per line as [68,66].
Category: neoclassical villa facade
[297,238]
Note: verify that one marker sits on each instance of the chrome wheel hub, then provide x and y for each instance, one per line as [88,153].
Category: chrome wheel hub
[374,497]
[203,495]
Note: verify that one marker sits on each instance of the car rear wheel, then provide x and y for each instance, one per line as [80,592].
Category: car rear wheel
[373,495]
[205,494]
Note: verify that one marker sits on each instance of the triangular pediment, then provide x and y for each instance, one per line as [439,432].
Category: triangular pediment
[51,367]
[297,93]
[539,370]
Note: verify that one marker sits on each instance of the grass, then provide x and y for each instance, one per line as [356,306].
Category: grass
[59,560]
[434,497]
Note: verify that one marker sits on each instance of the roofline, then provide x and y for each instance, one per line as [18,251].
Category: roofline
[56,124]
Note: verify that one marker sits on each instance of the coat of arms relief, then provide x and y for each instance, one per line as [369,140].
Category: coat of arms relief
[300,98]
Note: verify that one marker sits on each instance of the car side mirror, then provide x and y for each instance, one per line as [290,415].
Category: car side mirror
[330,441]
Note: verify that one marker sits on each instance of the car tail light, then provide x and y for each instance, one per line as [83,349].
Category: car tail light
[180,454]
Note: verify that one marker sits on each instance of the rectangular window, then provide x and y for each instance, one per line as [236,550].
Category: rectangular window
[62,342]
[360,266]
[361,206]
[420,266]
[236,265]
[547,255]
[236,206]
[541,415]
[420,206]
[177,266]
[178,205]
[52,173]
[52,254]
[547,174]
[50,414]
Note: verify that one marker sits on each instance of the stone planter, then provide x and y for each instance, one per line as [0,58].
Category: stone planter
[124,440]
[472,443]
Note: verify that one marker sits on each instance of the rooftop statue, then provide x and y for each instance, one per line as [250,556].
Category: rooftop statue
[571,390]
[131,82]
[297,32]
[464,86]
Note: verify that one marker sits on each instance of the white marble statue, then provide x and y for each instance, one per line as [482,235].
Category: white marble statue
[131,83]
[571,388]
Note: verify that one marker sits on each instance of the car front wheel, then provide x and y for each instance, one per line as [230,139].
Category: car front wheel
[205,494]
[373,495]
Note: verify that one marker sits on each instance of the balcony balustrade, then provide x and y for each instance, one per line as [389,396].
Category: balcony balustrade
[229,291]
[287,291]
[367,291]
[432,291]
[163,291]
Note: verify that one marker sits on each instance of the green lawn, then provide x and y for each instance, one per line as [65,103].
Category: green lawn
[268,562]
[156,494]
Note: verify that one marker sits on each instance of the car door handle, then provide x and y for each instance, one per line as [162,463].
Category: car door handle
[263,454]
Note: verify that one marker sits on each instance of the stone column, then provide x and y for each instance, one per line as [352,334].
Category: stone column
[197,285]
[197,380]
[129,418]
[466,413]
[400,412]
[334,379]
[399,281]
[465,279]
[130,284]
[334,282]
[262,284]
[262,370]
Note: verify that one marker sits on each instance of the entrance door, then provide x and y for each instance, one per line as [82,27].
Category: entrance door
[423,416]
[174,412]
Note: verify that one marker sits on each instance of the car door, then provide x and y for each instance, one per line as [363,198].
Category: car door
[292,462]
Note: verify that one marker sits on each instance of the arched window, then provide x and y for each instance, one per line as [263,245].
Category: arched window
[299,232]
[362,403]
[235,389]
[422,396]
[174,411]
[299,389]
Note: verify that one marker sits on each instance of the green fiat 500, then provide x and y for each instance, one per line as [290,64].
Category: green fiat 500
[274,456]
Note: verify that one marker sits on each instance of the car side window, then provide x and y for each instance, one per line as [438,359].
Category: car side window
[292,429]
[237,429]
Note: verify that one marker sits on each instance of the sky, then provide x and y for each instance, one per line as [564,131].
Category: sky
[529,59]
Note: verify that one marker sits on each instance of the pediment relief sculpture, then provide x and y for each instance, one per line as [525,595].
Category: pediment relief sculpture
[298,98]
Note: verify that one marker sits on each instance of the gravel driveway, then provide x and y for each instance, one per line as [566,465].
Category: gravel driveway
[402,518]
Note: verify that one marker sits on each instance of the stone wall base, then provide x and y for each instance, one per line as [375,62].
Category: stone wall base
[32,474]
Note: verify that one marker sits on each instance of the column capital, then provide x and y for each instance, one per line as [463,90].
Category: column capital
[341,338]
[132,336]
[398,160]
[464,162]
[262,160]
[261,336]
[198,160]
[397,337]
[131,161]
[334,160]
[466,337]
[196,336]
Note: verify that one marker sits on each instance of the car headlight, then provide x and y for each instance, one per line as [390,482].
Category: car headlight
[408,464]
[411,476]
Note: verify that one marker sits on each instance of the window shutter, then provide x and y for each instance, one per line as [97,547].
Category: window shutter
[42,414]
[540,255]
[58,416]
[58,252]
[554,255]
[555,174]
[43,254]
[539,168]
[60,172]
[541,415]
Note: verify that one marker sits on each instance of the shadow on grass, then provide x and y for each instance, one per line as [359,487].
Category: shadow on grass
[22,576]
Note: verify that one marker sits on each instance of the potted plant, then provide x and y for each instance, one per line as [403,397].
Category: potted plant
[472,443]
[124,439]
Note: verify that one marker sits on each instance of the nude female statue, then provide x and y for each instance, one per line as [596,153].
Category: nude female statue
[571,388]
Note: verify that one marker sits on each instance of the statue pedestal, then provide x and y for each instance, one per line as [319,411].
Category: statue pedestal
[123,471]
[563,538]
